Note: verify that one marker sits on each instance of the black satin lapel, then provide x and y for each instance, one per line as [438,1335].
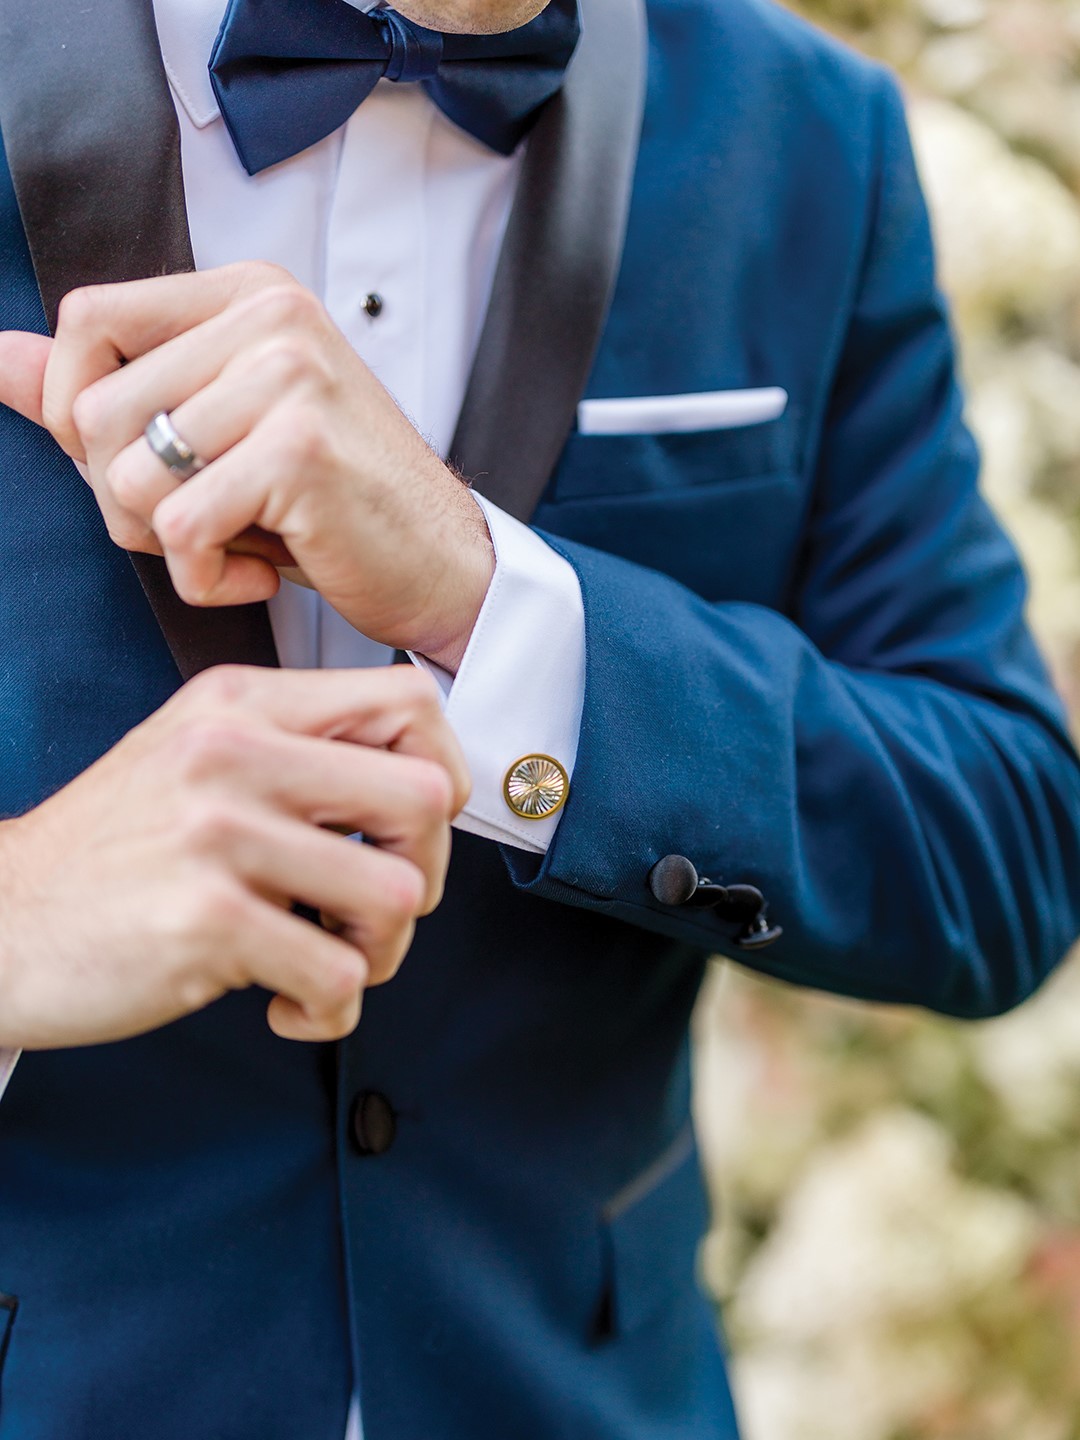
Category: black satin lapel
[558,265]
[92,142]
[94,151]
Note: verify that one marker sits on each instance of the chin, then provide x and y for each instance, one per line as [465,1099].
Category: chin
[471,17]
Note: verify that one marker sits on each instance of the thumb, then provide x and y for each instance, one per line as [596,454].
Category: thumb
[22,371]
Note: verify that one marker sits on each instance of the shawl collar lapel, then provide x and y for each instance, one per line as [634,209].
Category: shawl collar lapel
[558,266]
[94,152]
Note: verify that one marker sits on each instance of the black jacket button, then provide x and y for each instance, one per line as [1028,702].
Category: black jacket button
[373,1123]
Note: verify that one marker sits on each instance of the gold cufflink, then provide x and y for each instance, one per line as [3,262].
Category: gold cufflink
[535,787]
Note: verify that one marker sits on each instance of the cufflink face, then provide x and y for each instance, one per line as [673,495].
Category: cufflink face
[535,787]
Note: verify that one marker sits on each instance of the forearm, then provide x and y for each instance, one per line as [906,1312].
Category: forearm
[886,759]
[917,841]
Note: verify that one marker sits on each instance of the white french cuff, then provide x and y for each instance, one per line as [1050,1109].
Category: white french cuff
[519,690]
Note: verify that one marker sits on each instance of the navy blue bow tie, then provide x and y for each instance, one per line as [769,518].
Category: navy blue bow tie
[288,72]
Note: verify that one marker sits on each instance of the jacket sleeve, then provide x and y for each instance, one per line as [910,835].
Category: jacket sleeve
[887,762]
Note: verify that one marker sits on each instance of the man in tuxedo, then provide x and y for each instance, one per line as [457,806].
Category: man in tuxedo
[731,647]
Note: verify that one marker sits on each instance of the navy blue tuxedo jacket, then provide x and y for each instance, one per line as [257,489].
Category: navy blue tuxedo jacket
[807,670]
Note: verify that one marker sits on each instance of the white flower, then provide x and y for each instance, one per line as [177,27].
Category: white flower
[1008,231]
[878,1230]
[1031,1057]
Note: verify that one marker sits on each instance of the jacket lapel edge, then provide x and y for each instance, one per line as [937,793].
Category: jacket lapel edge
[559,263]
[98,209]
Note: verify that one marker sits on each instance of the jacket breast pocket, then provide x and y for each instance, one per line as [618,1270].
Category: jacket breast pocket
[651,1232]
[599,466]
[721,511]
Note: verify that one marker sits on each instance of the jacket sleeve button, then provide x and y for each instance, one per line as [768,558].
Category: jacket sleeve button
[673,880]
[759,934]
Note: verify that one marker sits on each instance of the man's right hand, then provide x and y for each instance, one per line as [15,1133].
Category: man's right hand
[163,876]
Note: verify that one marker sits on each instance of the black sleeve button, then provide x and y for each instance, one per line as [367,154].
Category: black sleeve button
[758,934]
[674,882]
[373,1123]
[373,304]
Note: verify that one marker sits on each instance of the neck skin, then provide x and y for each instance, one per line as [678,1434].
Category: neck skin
[470,17]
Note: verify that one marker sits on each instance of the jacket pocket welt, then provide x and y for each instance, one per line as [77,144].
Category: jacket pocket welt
[651,1231]
[606,467]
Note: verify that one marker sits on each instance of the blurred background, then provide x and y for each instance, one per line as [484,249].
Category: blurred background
[897,1242]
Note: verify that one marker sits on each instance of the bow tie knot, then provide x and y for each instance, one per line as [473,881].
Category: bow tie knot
[287,73]
[414,53]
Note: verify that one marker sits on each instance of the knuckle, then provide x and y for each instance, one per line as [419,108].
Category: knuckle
[200,914]
[126,532]
[338,1026]
[418,688]
[89,413]
[220,687]
[433,789]
[392,956]
[339,983]
[288,304]
[259,274]
[301,442]
[123,475]
[194,592]
[80,308]
[403,894]
[53,415]
[195,991]
[208,827]
[208,746]
[436,890]
[174,525]
[306,442]
[288,359]
[224,908]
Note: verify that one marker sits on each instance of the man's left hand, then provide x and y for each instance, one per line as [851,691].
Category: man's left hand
[312,470]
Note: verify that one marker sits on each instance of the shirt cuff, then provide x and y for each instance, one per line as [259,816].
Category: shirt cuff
[520,686]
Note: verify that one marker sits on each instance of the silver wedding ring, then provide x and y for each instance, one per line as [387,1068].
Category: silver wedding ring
[173,452]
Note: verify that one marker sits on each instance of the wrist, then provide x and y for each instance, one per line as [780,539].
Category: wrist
[459,599]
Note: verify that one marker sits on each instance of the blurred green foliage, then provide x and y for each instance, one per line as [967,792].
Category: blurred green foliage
[897,1247]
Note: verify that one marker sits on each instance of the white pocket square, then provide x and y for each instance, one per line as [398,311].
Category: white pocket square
[674,414]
